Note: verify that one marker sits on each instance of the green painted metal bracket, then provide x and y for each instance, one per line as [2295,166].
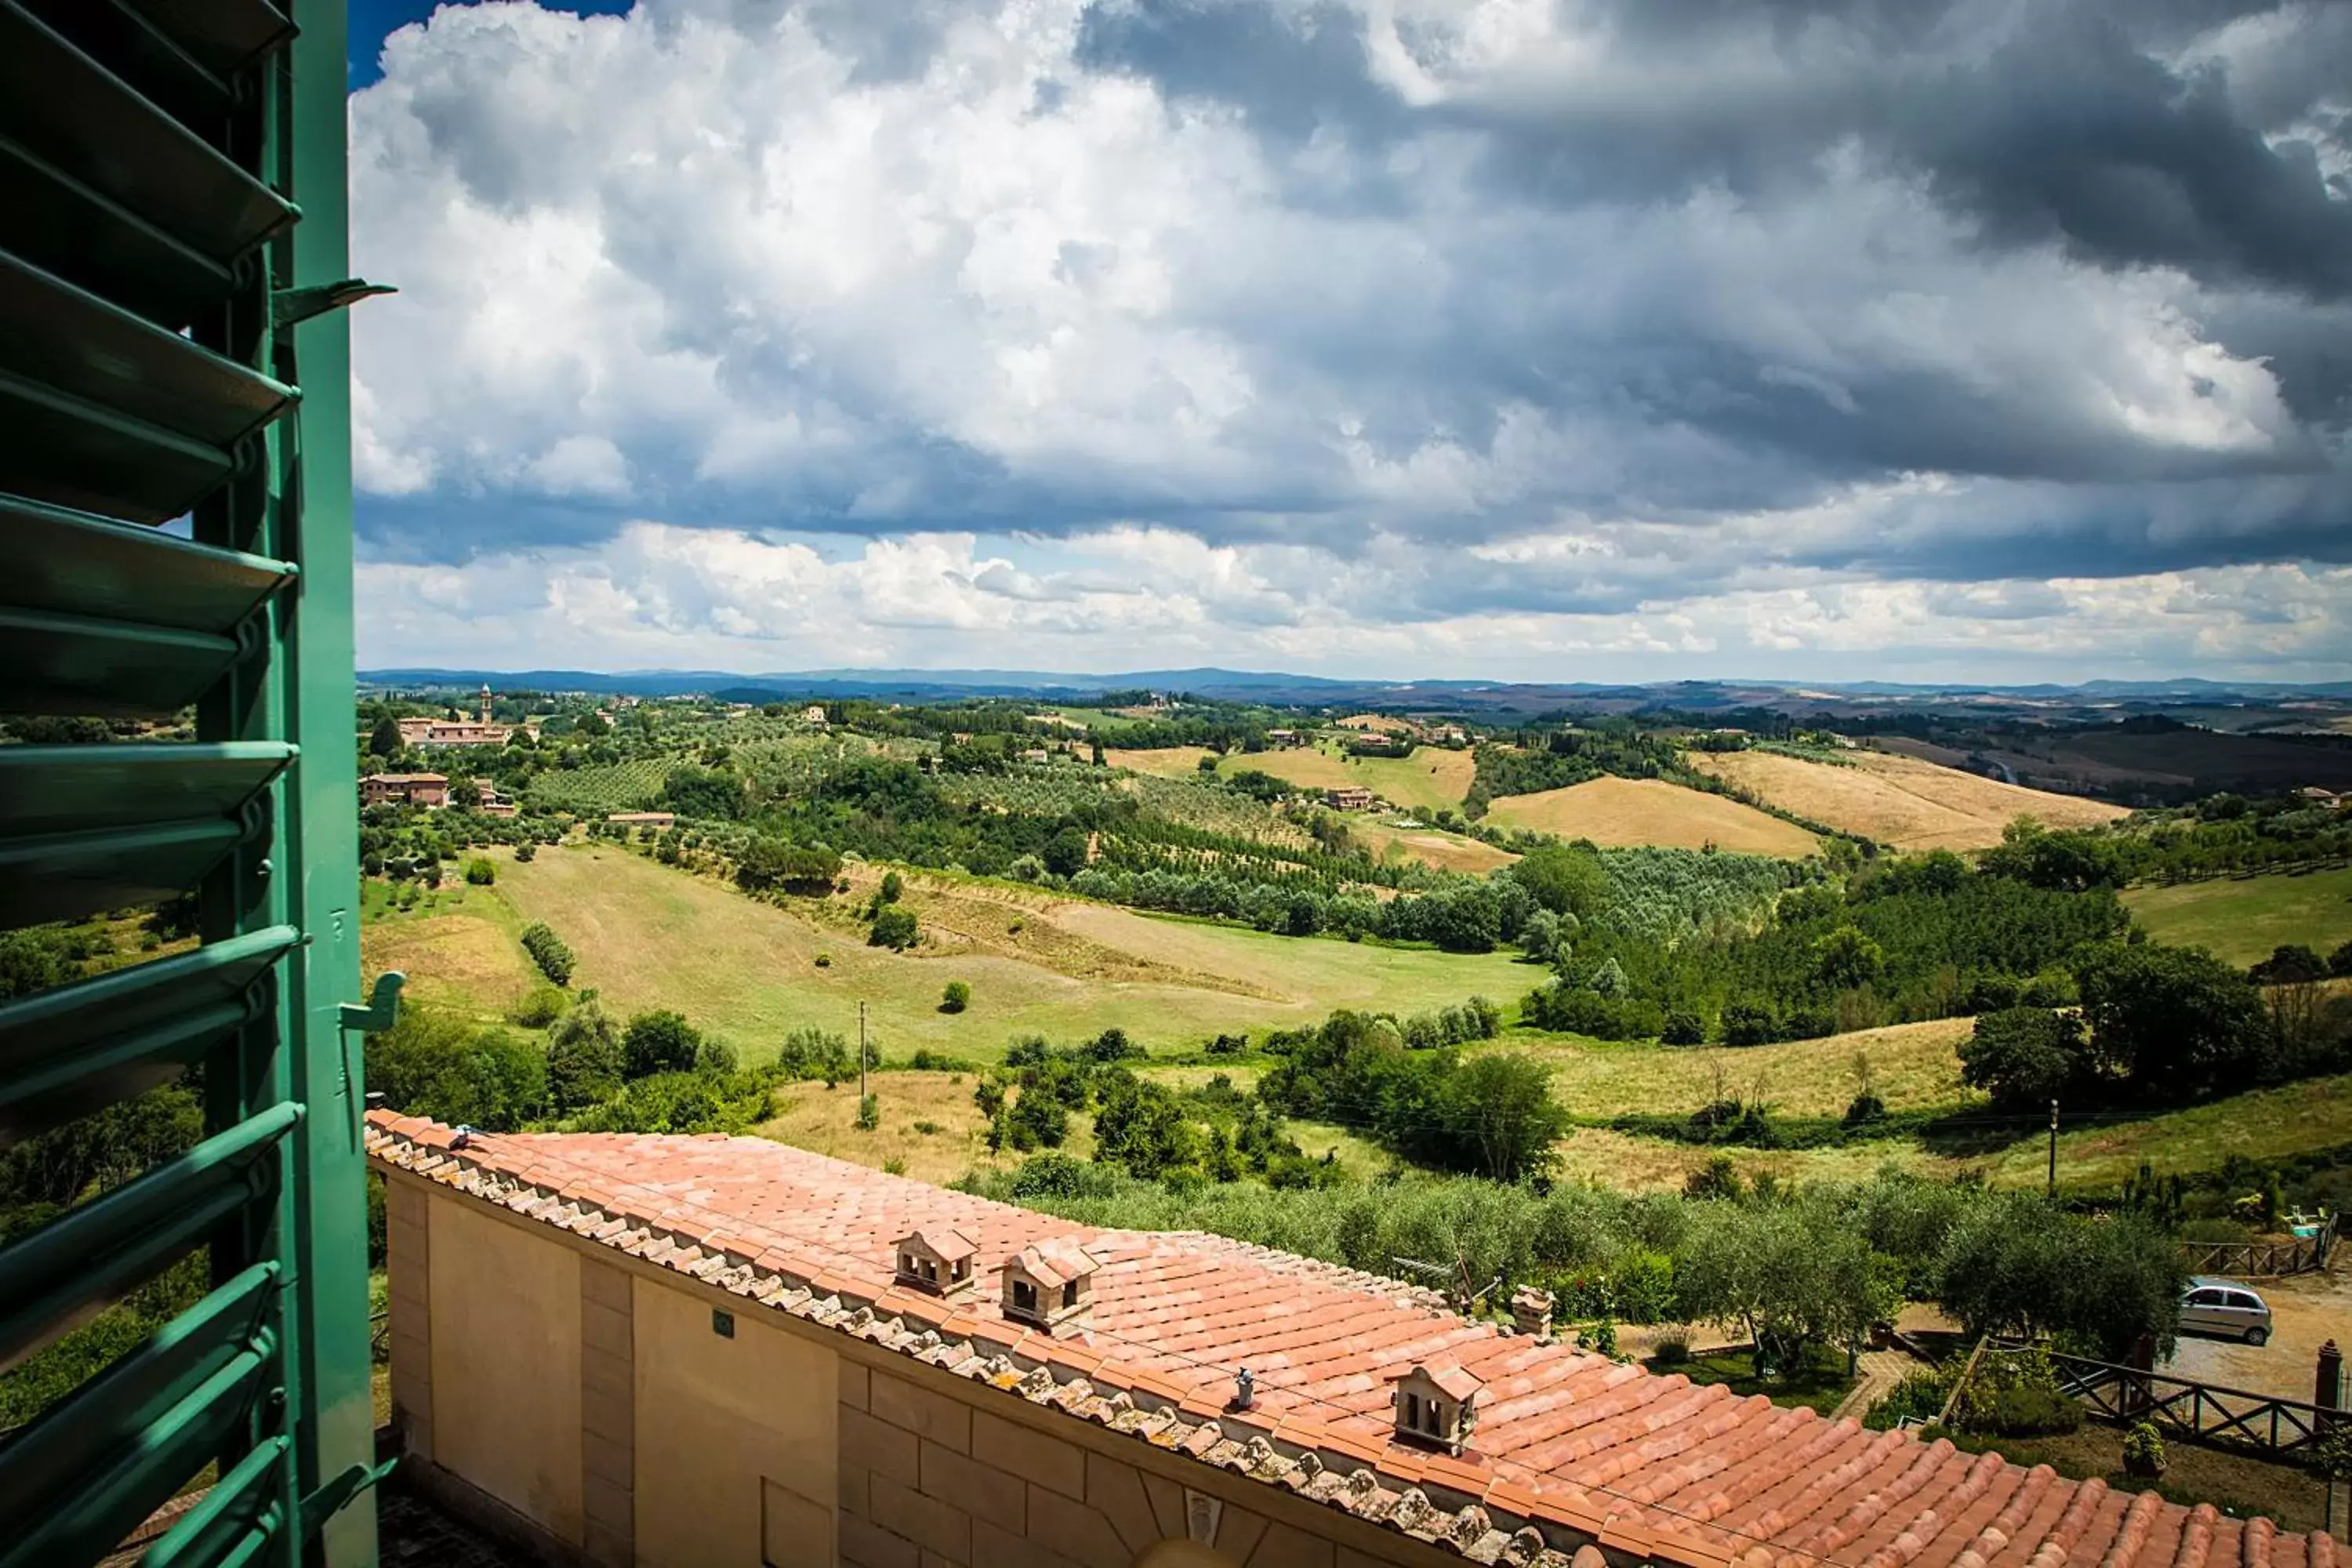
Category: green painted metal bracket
[383,1008]
[331,1500]
[290,306]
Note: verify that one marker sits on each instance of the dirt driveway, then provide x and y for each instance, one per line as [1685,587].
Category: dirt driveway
[2306,1310]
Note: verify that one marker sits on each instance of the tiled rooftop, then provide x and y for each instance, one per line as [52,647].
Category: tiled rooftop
[1587,1449]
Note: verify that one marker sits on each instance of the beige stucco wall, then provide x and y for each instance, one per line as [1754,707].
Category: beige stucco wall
[505,1350]
[663,1443]
[735,1438]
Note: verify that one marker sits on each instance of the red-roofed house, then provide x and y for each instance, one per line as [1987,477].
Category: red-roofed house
[699,1350]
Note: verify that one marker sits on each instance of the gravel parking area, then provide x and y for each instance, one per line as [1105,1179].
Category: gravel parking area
[2307,1310]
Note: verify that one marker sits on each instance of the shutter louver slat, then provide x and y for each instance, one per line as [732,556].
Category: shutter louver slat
[65,107]
[59,223]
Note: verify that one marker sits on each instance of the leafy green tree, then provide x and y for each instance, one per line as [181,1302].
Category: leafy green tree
[659,1041]
[956,997]
[384,741]
[583,1059]
[1500,1115]
[892,886]
[696,792]
[2289,965]
[1141,1127]
[2339,962]
[1845,957]
[1064,854]
[2026,1057]
[1564,880]
[432,1064]
[2174,1023]
[480,873]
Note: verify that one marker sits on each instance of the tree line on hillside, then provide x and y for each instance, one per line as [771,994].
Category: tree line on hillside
[2155,1026]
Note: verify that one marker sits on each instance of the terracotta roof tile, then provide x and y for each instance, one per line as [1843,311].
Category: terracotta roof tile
[1570,1448]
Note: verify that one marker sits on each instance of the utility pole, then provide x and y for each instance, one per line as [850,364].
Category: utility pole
[861,1075]
[2053,1148]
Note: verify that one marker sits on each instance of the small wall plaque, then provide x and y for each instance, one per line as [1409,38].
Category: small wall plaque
[1202,1515]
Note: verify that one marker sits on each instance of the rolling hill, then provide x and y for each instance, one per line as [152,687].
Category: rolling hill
[1898,800]
[1620,813]
[650,936]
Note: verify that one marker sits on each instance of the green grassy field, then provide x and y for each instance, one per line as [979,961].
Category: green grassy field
[2241,919]
[649,936]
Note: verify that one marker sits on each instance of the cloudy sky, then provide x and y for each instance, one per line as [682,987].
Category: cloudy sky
[1530,339]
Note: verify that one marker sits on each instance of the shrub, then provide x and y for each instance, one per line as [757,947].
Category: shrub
[658,1042]
[541,1008]
[1670,1353]
[2015,1394]
[894,927]
[526,851]
[869,1113]
[480,873]
[956,997]
[714,1056]
[2143,1452]
[1682,1028]
[1919,1398]
[894,1166]
[549,951]
[824,961]
[891,886]
[1719,1178]
[1059,1176]
[816,1053]
[928,1128]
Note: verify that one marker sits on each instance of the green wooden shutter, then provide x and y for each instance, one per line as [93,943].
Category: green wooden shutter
[172,256]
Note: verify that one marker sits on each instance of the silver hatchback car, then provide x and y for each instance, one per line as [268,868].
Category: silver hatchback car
[2227,1308]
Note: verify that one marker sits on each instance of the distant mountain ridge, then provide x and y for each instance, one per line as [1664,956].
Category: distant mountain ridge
[1281,687]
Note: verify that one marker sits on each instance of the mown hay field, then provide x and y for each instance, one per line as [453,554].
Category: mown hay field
[1618,813]
[1432,848]
[1901,801]
[1430,780]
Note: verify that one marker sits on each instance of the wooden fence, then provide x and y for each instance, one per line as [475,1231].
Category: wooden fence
[2203,1410]
[2262,1259]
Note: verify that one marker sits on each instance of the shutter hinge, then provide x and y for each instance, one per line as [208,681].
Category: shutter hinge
[291,307]
[331,1499]
[381,1009]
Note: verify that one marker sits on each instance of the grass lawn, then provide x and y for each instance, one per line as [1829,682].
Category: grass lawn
[649,936]
[2242,919]
[1819,1386]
